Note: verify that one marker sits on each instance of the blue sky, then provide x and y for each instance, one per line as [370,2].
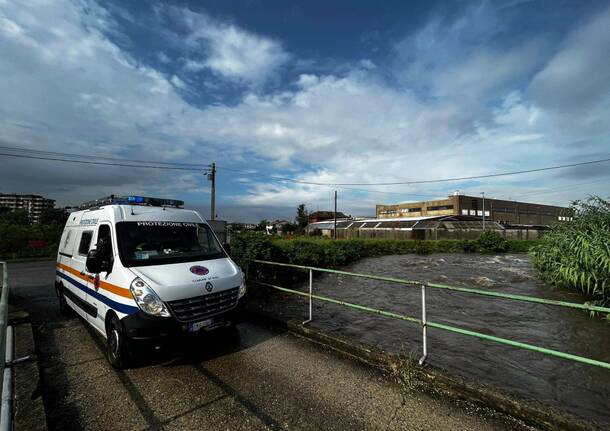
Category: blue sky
[345,91]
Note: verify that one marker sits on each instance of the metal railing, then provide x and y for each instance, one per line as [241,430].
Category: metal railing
[6,342]
[423,321]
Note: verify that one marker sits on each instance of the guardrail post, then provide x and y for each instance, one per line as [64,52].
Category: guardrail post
[3,327]
[310,298]
[6,413]
[424,325]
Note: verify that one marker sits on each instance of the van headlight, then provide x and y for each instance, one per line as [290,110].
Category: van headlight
[147,299]
[242,286]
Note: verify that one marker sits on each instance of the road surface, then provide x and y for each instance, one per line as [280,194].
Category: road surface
[249,378]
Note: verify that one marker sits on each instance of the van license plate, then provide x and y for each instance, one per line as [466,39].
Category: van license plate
[196,326]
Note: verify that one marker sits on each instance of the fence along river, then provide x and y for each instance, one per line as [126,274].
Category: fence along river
[575,387]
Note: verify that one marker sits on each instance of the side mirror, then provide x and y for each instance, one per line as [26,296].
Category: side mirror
[94,262]
[227,248]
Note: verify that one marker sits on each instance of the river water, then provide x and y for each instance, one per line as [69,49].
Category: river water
[578,388]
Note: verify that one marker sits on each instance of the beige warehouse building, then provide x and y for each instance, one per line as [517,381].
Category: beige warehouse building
[503,211]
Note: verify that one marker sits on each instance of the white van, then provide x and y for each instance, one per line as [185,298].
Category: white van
[145,271]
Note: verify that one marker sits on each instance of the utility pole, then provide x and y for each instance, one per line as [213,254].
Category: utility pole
[212,177]
[483,194]
[335,229]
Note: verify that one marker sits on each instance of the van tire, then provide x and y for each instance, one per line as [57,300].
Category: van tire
[64,308]
[117,350]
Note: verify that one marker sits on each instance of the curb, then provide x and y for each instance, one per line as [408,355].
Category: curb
[29,411]
[440,381]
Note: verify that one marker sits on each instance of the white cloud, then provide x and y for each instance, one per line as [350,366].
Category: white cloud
[226,49]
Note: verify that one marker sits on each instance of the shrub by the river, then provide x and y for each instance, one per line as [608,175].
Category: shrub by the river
[576,254]
[492,241]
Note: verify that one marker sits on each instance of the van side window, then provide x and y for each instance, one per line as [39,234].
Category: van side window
[66,241]
[104,242]
[85,242]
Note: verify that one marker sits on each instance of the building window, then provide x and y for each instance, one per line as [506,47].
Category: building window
[85,242]
[473,212]
[487,214]
[440,207]
[464,212]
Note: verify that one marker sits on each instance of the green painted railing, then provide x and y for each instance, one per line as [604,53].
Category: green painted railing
[427,323]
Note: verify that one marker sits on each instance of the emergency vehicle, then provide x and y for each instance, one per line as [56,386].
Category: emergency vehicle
[145,271]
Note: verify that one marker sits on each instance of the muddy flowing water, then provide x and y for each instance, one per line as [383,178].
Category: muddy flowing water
[574,387]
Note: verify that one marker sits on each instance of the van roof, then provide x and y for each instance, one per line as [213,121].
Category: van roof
[119,213]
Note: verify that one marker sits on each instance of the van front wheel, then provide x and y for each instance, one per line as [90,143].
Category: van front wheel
[116,344]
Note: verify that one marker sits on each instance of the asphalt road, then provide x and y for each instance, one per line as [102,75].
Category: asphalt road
[251,377]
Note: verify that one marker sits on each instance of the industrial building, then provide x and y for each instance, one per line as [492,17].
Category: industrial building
[505,212]
[33,204]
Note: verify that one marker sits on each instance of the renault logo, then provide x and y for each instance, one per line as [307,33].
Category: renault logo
[209,287]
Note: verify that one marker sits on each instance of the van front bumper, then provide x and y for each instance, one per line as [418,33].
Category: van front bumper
[142,328]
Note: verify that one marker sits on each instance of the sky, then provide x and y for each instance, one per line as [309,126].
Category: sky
[316,91]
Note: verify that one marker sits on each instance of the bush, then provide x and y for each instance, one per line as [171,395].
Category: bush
[16,240]
[492,241]
[576,254]
[522,245]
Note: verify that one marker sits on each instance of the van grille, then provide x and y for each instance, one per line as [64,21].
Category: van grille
[204,306]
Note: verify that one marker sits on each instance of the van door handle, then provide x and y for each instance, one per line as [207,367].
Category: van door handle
[90,277]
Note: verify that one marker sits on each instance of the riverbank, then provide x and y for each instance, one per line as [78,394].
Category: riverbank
[579,389]
[327,253]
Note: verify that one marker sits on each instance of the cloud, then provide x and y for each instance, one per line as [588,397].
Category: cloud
[68,87]
[226,49]
[466,58]
[577,77]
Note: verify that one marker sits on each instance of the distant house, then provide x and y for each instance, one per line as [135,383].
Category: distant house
[276,226]
[318,216]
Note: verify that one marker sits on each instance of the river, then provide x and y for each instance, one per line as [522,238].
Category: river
[574,387]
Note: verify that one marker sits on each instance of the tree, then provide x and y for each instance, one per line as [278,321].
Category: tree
[289,228]
[302,218]
[17,217]
[54,216]
[262,225]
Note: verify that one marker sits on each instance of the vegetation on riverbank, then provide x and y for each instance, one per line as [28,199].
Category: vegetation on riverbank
[576,254]
[326,253]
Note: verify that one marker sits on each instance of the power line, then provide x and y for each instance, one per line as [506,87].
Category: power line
[90,162]
[46,155]
[54,153]
[441,180]
[196,167]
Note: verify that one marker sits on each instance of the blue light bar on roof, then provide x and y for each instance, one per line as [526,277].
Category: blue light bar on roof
[132,200]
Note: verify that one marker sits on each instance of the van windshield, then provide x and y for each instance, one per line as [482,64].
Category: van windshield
[143,243]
